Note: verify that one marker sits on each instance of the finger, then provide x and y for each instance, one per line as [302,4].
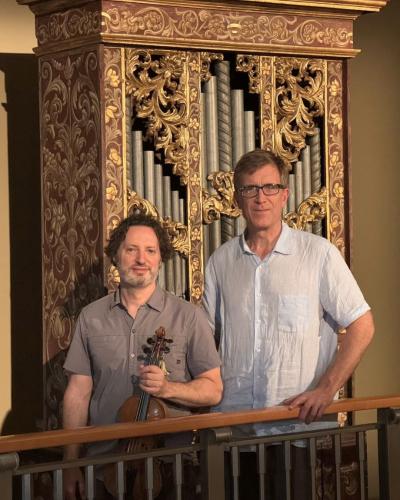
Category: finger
[297,402]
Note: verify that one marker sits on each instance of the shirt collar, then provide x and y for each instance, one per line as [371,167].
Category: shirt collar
[284,244]
[156,300]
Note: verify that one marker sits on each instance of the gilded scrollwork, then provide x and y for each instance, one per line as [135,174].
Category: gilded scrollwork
[335,155]
[70,118]
[206,58]
[222,202]
[267,102]
[299,100]
[177,231]
[194,201]
[157,84]
[239,25]
[310,210]
[250,64]
[115,208]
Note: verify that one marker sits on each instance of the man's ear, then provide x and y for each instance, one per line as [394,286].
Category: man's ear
[237,198]
[285,195]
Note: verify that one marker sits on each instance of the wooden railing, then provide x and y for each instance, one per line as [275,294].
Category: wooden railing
[386,424]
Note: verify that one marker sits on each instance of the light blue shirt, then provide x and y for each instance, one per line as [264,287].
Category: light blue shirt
[277,318]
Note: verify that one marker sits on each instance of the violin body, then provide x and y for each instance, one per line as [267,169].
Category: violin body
[156,410]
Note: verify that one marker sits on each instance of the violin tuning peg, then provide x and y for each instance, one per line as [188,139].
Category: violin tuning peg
[169,341]
[150,340]
[166,350]
[147,350]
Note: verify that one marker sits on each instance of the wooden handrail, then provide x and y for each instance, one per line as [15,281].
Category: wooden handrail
[47,439]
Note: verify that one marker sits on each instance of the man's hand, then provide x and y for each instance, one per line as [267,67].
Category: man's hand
[312,404]
[153,380]
[73,479]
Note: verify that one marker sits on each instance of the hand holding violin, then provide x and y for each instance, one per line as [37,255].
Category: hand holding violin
[153,381]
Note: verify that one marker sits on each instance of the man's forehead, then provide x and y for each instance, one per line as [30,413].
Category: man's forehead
[142,234]
[262,169]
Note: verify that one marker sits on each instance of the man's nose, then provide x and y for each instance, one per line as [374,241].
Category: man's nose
[260,196]
[140,256]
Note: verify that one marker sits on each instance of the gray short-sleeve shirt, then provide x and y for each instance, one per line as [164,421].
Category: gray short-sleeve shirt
[108,342]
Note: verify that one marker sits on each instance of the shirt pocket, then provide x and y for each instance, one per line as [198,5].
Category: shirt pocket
[175,360]
[107,350]
[292,313]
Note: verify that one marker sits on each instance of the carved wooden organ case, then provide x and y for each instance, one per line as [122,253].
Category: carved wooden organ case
[148,105]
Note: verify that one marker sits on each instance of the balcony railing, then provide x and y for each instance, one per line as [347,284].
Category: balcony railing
[219,452]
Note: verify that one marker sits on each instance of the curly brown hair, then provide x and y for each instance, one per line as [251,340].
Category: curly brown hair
[118,235]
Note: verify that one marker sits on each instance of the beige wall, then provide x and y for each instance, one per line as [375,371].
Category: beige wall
[16,36]
[375,141]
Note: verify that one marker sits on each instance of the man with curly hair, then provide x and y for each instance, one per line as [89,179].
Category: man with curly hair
[103,362]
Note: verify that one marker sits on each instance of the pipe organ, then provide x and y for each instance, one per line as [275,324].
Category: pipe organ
[147,105]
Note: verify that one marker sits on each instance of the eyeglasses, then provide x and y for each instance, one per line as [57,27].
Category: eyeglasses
[251,191]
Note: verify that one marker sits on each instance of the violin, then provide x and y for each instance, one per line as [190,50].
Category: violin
[138,409]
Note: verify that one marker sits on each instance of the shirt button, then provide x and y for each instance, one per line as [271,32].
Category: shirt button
[132,355]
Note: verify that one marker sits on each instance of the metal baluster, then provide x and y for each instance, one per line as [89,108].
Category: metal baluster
[338,460]
[235,471]
[261,469]
[27,493]
[361,461]
[149,468]
[89,482]
[120,480]
[288,467]
[312,448]
[178,476]
[58,484]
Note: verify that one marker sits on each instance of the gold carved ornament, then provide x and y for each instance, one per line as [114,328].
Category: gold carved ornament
[250,65]
[224,26]
[299,100]
[206,58]
[310,210]
[156,84]
[221,203]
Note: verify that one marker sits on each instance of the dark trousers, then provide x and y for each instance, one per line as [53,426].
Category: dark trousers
[275,479]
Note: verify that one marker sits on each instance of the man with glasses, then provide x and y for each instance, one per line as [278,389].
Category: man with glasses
[276,297]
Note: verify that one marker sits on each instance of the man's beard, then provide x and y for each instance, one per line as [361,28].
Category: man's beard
[130,280]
